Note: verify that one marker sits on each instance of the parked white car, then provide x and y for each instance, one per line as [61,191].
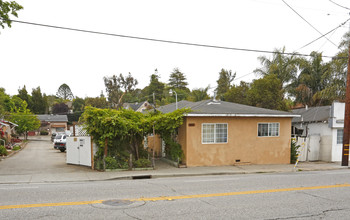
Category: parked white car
[59,142]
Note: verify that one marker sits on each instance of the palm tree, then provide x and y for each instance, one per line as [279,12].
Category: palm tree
[335,90]
[283,66]
[312,80]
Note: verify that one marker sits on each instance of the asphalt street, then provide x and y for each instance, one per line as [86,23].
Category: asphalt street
[290,195]
[306,195]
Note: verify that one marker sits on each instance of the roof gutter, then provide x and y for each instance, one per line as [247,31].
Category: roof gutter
[243,115]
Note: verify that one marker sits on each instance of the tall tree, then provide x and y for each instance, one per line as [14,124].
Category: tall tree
[283,66]
[224,83]
[117,87]
[97,102]
[4,100]
[60,108]
[78,104]
[199,94]
[313,78]
[335,90]
[7,9]
[39,103]
[267,93]
[25,119]
[177,80]
[65,92]
[239,94]
[156,87]
[23,94]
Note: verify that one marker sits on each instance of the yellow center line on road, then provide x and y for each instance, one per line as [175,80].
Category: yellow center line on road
[162,198]
[239,193]
[50,204]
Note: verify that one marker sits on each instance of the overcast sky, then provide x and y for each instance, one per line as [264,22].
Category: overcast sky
[47,57]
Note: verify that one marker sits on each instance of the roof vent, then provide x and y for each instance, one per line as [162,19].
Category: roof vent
[214,103]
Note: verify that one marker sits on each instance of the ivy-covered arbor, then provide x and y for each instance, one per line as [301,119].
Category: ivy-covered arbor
[119,134]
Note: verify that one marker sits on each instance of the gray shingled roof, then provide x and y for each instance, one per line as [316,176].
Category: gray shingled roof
[53,118]
[221,108]
[312,114]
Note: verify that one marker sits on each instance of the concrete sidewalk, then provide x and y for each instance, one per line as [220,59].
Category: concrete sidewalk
[164,170]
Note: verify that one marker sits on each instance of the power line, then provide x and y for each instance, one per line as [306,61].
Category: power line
[339,5]
[324,34]
[243,76]
[307,22]
[164,41]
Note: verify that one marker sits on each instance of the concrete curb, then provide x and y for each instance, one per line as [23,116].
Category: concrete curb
[170,175]
[23,145]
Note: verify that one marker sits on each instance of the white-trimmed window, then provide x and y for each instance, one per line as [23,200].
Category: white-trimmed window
[214,133]
[268,129]
[340,136]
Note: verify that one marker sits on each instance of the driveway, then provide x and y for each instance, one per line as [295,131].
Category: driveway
[38,157]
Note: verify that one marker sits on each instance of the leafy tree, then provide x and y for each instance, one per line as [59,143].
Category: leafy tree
[51,100]
[97,102]
[38,101]
[78,104]
[177,80]
[60,108]
[199,94]
[117,87]
[65,92]
[267,93]
[6,9]
[156,87]
[23,94]
[224,83]
[123,131]
[239,94]
[16,102]
[4,100]
[25,120]
[136,95]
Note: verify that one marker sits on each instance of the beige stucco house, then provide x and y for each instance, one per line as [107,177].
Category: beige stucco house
[218,133]
[53,123]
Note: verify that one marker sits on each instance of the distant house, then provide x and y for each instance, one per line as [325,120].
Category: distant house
[137,107]
[220,133]
[53,123]
[6,129]
[320,129]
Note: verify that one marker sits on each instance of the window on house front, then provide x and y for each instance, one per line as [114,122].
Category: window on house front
[268,129]
[214,133]
[340,136]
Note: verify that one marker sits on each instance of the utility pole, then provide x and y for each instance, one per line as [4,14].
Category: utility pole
[346,134]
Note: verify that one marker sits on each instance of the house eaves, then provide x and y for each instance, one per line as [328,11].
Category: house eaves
[215,108]
[243,115]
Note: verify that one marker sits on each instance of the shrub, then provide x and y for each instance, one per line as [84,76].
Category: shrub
[15,148]
[43,132]
[294,151]
[111,163]
[3,151]
[142,163]
[174,151]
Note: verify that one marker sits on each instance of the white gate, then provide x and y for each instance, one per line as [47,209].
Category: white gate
[78,151]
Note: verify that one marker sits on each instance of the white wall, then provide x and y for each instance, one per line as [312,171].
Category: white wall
[325,133]
[336,121]
[337,149]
